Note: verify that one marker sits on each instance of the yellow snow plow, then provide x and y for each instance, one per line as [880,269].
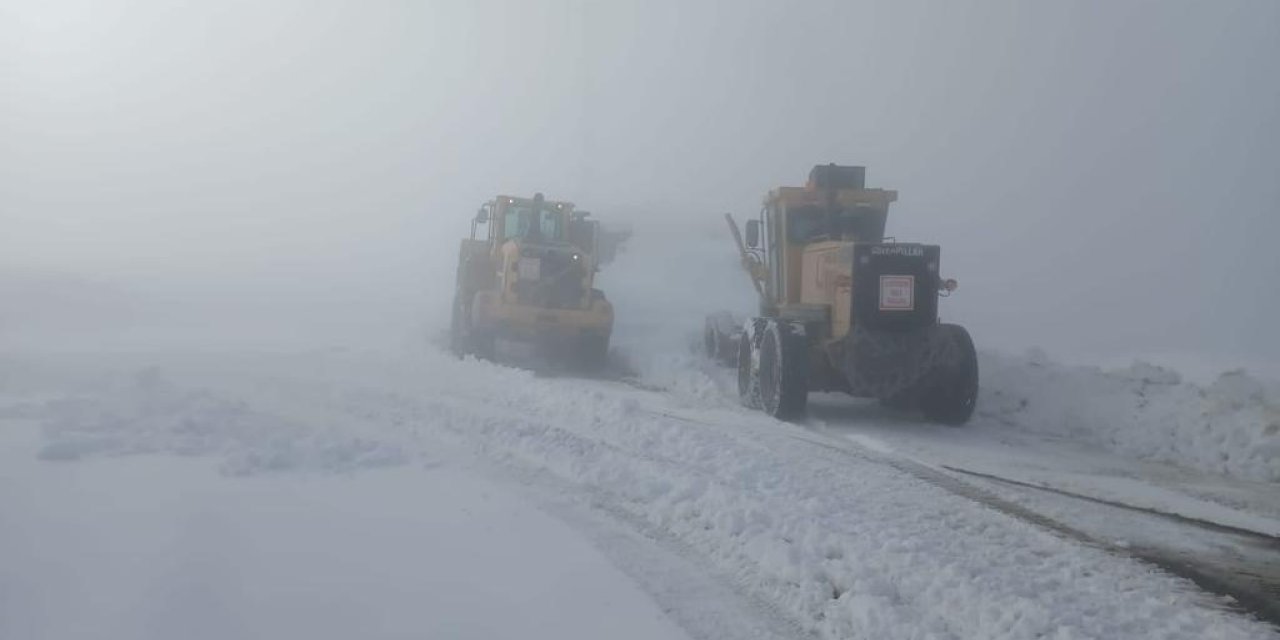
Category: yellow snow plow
[527,280]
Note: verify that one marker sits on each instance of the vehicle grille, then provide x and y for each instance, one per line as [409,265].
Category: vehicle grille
[558,287]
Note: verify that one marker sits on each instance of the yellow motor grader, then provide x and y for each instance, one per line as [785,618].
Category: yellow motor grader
[528,280]
[842,308]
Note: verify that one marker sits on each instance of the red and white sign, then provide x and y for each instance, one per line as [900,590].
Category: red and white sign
[897,293]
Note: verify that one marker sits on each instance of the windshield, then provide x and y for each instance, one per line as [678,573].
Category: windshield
[521,222]
[807,224]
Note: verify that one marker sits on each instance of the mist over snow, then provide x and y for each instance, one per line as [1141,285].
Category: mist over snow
[229,240]
[1100,175]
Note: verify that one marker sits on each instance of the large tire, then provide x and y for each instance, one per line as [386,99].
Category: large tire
[902,401]
[593,352]
[783,372]
[953,392]
[483,345]
[748,382]
[720,338]
[711,340]
[459,336]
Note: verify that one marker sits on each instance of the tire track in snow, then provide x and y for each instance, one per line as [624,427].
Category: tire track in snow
[1262,538]
[737,442]
[846,550]
[1252,582]
[678,577]
[1246,590]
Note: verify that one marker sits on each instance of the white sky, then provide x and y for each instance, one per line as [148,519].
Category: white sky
[1101,175]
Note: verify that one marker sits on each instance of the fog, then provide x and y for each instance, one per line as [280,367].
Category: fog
[1102,176]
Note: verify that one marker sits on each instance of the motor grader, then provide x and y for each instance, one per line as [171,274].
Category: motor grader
[842,308]
[527,280]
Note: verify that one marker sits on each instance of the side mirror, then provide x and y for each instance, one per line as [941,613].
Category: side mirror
[482,216]
[753,234]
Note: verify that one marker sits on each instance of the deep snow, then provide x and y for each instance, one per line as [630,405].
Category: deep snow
[831,542]
[162,547]
[1231,426]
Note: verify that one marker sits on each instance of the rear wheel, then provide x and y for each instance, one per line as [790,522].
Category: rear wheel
[951,398]
[711,341]
[748,381]
[784,370]
[720,339]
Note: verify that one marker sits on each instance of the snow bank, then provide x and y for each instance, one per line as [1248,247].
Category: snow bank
[1231,426]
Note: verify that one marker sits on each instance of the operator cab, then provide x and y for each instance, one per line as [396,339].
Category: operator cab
[817,223]
[857,222]
[833,205]
[533,220]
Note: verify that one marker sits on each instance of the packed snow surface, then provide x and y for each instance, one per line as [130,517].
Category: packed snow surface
[823,540]
[164,548]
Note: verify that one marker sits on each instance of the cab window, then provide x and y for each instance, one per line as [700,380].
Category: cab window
[520,222]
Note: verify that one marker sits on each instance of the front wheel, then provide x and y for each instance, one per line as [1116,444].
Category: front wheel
[711,342]
[954,393]
[784,370]
[593,352]
[459,338]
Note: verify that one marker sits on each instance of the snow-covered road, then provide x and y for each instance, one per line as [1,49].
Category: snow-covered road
[731,524]
[161,547]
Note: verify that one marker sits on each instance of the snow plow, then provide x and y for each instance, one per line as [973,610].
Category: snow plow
[527,284]
[842,308]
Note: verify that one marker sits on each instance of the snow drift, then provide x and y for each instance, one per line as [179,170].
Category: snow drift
[1230,427]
